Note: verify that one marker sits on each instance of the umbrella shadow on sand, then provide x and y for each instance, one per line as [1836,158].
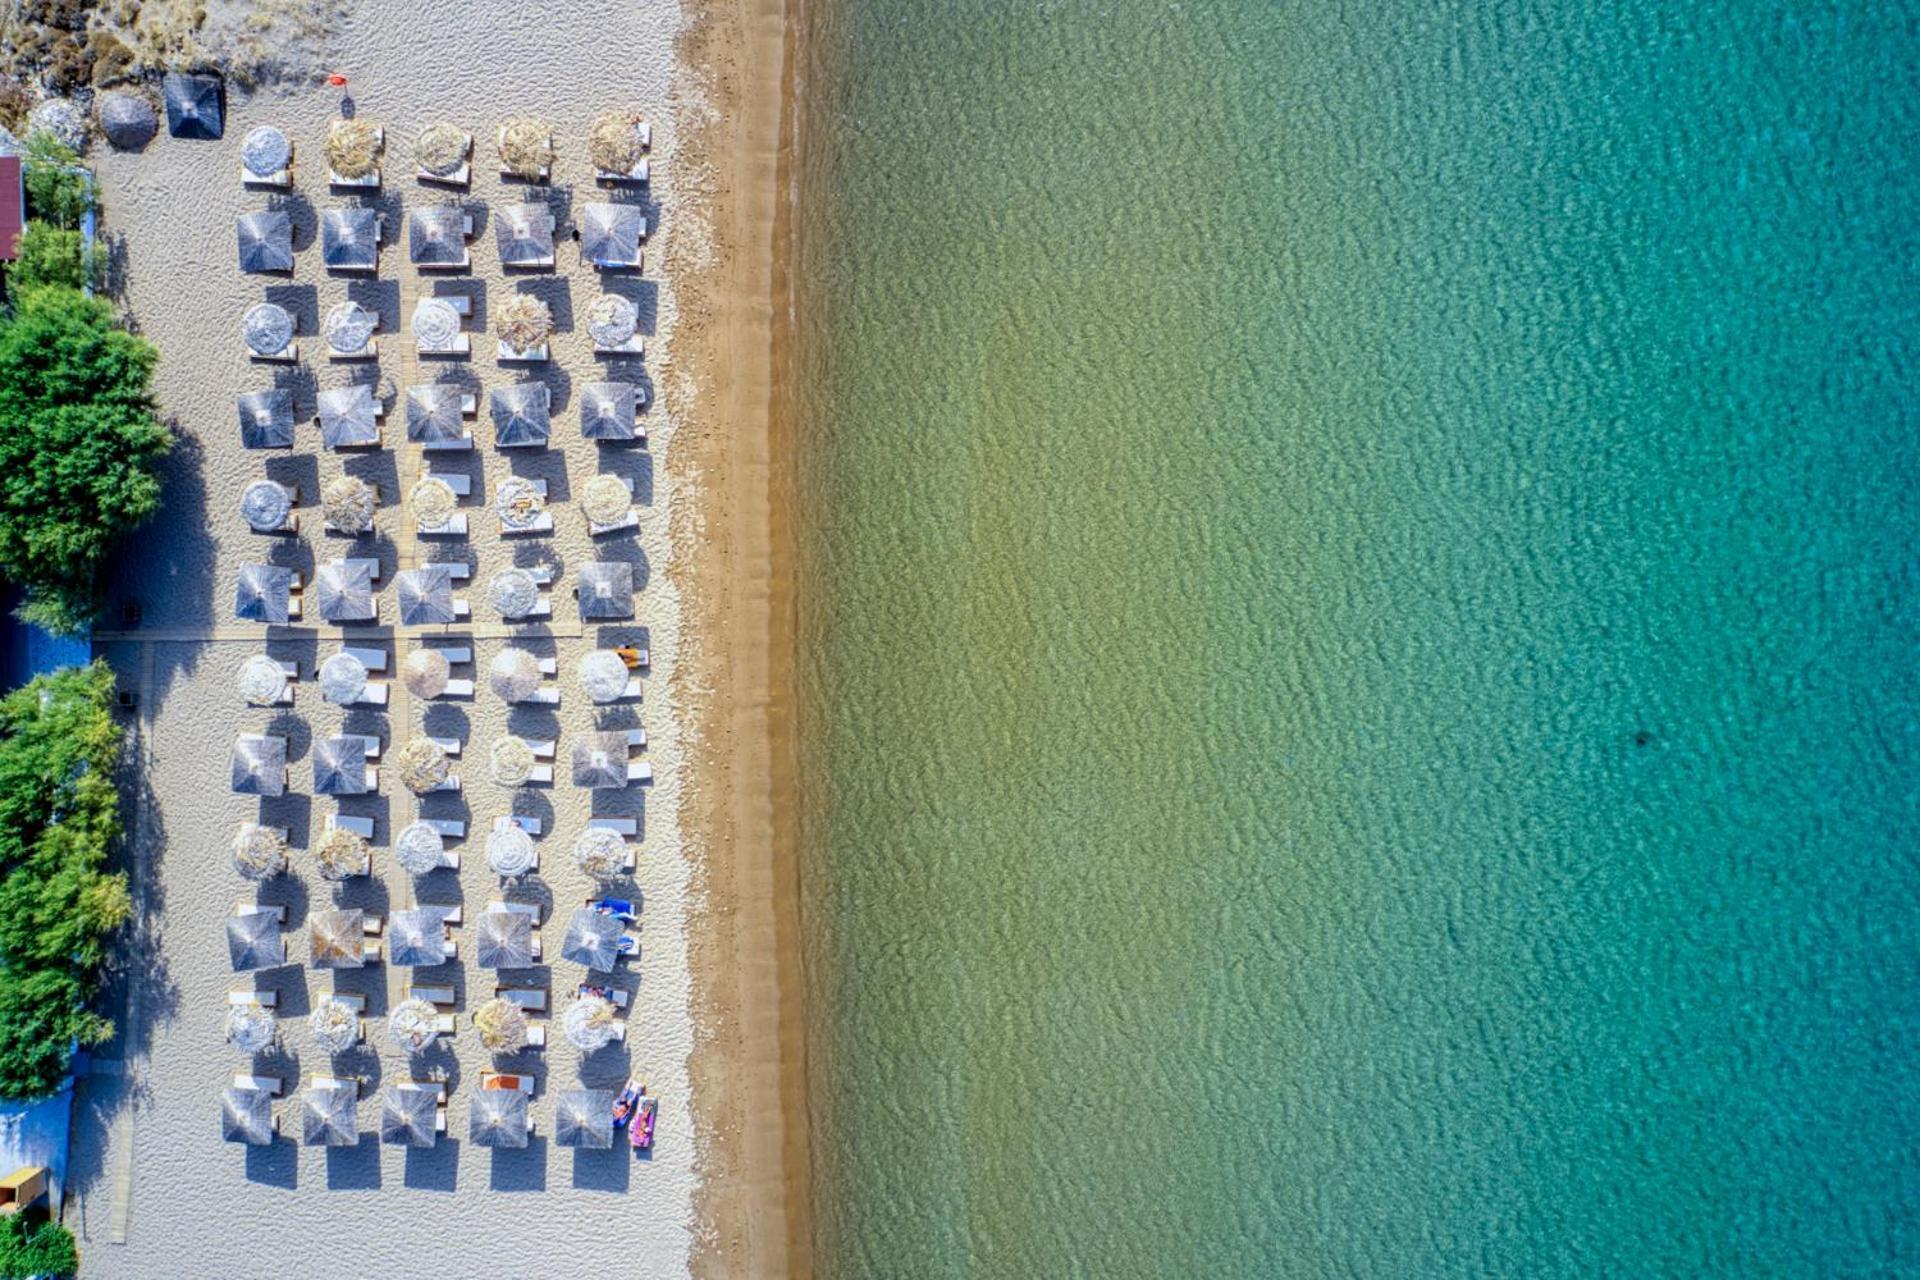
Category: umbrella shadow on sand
[520,1168]
[355,1168]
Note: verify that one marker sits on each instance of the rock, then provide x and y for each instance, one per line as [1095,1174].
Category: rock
[64,121]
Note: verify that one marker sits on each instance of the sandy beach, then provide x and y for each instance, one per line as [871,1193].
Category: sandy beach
[713,1028]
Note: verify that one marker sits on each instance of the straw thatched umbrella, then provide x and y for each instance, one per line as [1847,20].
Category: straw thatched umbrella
[502,1025]
[600,761]
[604,675]
[589,1023]
[246,1115]
[265,151]
[435,324]
[434,413]
[423,765]
[425,673]
[615,142]
[127,119]
[254,941]
[327,1119]
[584,1118]
[353,147]
[261,681]
[440,149]
[259,853]
[510,851]
[525,235]
[194,107]
[426,596]
[419,848]
[259,765]
[601,853]
[520,414]
[409,1116]
[593,939]
[410,1025]
[605,589]
[251,1027]
[267,328]
[348,502]
[432,501]
[526,147]
[266,419]
[612,320]
[342,853]
[498,1118]
[265,505]
[514,674]
[519,503]
[606,499]
[349,416]
[335,1025]
[524,322]
[350,238]
[510,764]
[607,411]
[349,327]
[345,590]
[505,940]
[417,936]
[343,679]
[265,237]
[610,234]
[333,938]
[513,593]
[437,236]
[340,767]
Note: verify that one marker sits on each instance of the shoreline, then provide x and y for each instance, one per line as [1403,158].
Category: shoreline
[732,564]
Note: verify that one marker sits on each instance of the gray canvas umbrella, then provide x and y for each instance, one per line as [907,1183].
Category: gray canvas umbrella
[407,1116]
[254,942]
[426,596]
[259,765]
[584,1118]
[246,1115]
[593,939]
[193,105]
[339,767]
[498,1118]
[610,234]
[126,119]
[605,588]
[434,413]
[333,939]
[263,593]
[345,591]
[348,416]
[505,940]
[437,236]
[416,937]
[266,240]
[327,1116]
[350,238]
[607,409]
[520,413]
[525,235]
[266,419]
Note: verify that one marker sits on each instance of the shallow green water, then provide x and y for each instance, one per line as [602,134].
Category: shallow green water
[1358,635]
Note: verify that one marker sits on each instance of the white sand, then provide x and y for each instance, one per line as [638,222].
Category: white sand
[154,1190]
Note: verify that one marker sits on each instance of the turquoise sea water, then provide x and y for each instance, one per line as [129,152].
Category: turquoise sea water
[1359,617]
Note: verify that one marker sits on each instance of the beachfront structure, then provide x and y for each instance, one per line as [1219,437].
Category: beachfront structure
[505,939]
[524,233]
[520,417]
[610,411]
[254,941]
[437,236]
[417,937]
[193,106]
[246,1115]
[327,1114]
[349,417]
[605,590]
[345,589]
[266,418]
[498,1118]
[411,1114]
[259,765]
[426,596]
[340,939]
[583,1118]
[264,593]
[593,938]
[266,241]
[611,235]
[340,766]
[350,239]
[436,416]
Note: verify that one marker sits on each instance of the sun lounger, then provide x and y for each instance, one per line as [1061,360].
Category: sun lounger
[449,745]
[432,995]
[639,771]
[518,908]
[245,908]
[637,738]
[533,355]
[289,354]
[533,999]
[455,527]
[625,826]
[641,171]
[506,1080]
[266,1084]
[253,995]
[536,1035]
[451,829]
[618,996]
[526,822]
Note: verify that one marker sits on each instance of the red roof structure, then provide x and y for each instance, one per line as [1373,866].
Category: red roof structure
[13,207]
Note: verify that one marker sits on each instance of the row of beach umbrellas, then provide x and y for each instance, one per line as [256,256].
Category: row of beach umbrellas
[349,417]
[344,591]
[409,1116]
[504,939]
[611,236]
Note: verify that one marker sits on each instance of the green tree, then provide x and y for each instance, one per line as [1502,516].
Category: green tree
[78,455]
[49,255]
[58,190]
[31,1245]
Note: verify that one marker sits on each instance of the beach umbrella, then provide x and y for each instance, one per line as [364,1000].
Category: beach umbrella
[605,589]
[610,234]
[423,765]
[607,410]
[259,765]
[419,848]
[616,140]
[333,938]
[266,419]
[435,324]
[505,940]
[510,851]
[335,1025]
[349,327]
[432,501]
[426,596]
[348,502]
[259,853]
[339,767]
[267,328]
[263,593]
[589,1023]
[434,413]
[612,320]
[254,942]
[127,119]
[266,240]
[408,1116]
[410,1025]
[600,852]
[343,679]
[246,1115]
[437,236]
[513,593]
[193,105]
[348,416]
[524,322]
[604,675]
[262,681]
[520,414]
[342,853]
[350,238]
[265,506]
[353,148]
[425,673]
[525,235]
[593,939]
[600,761]
[250,1027]
[265,151]
[526,147]
[345,590]
[327,1119]
[584,1118]
[606,500]
[417,937]
[514,674]
[502,1025]
[511,763]
[440,149]
[498,1118]
[519,503]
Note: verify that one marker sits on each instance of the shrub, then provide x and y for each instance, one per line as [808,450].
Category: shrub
[77,458]
[31,1245]
[57,191]
[49,255]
